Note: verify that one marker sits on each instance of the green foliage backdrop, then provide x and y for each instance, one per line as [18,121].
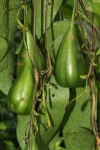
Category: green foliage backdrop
[70,123]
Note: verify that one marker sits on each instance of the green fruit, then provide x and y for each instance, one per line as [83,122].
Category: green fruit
[34,146]
[26,55]
[22,60]
[20,95]
[69,61]
[40,62]
[21,92]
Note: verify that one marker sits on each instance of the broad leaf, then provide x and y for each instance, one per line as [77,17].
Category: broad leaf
[6,70]
[53,142]
[14,5]
[67,7]
[93,6]
[23,126]
[80,116]
[79,139]
[57,99]
[53,7]
[55,36]
[3,47]
[3,19]
[22,130]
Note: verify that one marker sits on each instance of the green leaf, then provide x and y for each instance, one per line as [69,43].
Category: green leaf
[80,116]
[3,47]
[84,76]
[55,47]
[56,30]
[22,130]
[23,126]
[14,6]
[53,142]
[33,142]
[3,126]
[98,52]
[6,70]
[19,47]
[92,6]
[94,64]
[97,62]
[57,99]
[60,148]
[96,20]
[53,8]
[48,134]
[79,139]
[67,7]
[89,53]
[3,19]
[9,145]
[55,36]
[40,143]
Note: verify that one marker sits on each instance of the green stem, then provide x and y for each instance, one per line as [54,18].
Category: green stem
[48,61]
[73,13]
[98,113]
[32,117]
[45,108]
[25,24]
[25,16]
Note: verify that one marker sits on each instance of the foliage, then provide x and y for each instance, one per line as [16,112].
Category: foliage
[64,118]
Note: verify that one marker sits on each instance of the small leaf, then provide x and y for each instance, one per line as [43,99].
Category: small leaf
[94,64]
[19,47]
[3,126]
[84,76]
[35,113]
[89,53]
[98,52]
[53,143]
[9,145]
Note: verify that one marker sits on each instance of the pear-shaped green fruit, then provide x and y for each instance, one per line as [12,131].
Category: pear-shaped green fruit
[26,55]
[34,145]
[21,92]
[69,61]
[23,59]
[40,62]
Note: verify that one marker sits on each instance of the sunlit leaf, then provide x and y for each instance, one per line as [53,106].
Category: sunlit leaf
[79,139]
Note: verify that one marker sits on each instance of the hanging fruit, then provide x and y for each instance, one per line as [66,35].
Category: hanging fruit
[21,92]
[20,95]
[69,61]
[40,62]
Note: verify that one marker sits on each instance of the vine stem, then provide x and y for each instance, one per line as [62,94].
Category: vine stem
[73,13]
[88,16]
[45,106]
[91,76]
[92,93]
[46,41]
[82,28]
[36,77]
